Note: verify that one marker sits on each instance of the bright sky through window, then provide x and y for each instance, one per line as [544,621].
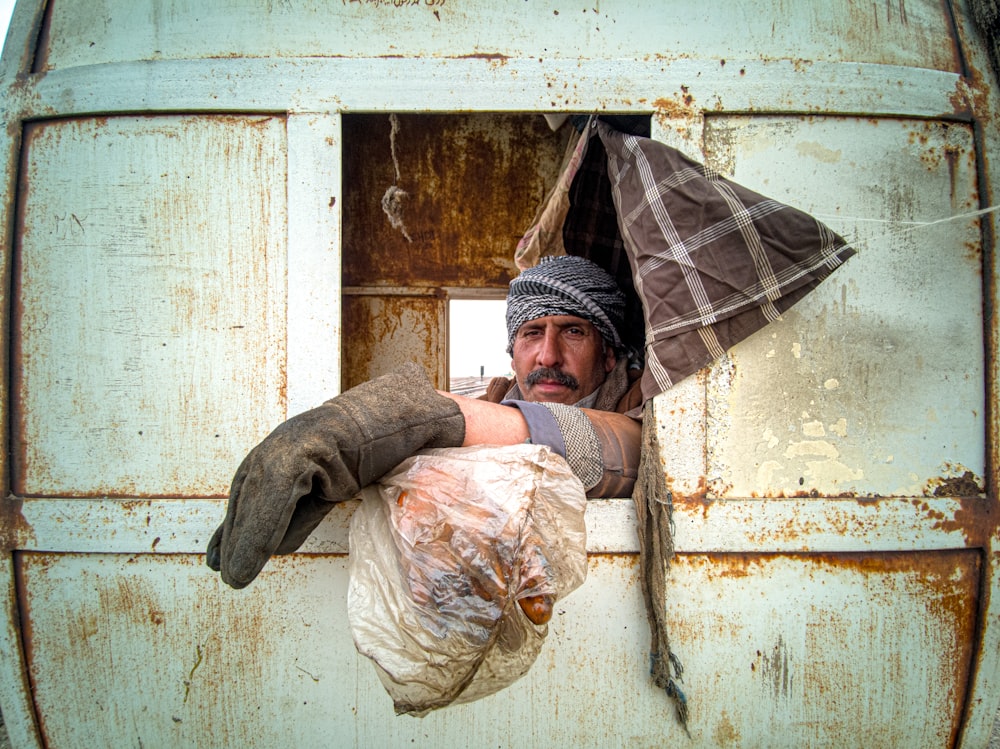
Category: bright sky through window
[477,333]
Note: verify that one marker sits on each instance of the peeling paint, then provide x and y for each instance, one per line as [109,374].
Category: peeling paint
[966,485]
[833,473]
[814,429]
[808,448]
[839,427]
[818,151]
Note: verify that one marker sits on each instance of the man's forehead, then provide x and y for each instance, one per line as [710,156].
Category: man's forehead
[557,320]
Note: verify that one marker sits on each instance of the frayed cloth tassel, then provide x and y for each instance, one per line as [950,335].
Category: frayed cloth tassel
[654,511]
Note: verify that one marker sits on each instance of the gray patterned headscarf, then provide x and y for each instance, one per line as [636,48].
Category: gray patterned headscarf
[566,285]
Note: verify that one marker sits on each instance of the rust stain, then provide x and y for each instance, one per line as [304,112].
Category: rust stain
[385,331]
[931,567]
[977,519]
[15,531]
[969,100]
[681,107]
[774,668]
[474,181]
[697,498]
[966,485]
[945,584]
[679,113]
[725,732]
[488,56]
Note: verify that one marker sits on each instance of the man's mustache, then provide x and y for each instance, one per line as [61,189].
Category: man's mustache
[552,374]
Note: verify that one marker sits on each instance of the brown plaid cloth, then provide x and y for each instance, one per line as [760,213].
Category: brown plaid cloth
[712,262]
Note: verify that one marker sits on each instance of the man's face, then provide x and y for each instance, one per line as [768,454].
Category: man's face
[560,359]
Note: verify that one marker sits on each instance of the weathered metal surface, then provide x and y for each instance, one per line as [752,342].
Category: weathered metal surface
[468,187]
[804,525]
[875,384]
[829,650]
[148,328]
[162,655]
[678,88]
[19,715]
[895,32]
[314,257]
[383,332]
[980,725]
[802,619]
[472,185]
[916,275]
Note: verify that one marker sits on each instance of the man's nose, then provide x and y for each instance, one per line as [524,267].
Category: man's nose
[549,350]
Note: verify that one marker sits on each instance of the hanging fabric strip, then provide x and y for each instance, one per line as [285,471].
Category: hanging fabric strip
[545,236]
[654,524]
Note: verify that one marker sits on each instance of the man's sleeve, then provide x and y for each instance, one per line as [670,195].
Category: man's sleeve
[602,448]
[620,438]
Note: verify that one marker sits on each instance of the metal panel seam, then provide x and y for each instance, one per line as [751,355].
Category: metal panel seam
[19,712]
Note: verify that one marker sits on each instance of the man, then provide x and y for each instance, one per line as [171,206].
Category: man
[564,321]
[563,317]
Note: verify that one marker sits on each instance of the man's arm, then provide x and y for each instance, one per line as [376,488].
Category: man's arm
[617,439]
[490,423]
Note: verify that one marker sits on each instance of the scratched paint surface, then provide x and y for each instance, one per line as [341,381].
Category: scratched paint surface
[154,653]
[895,32]
[874,384]
[381,333]
[149,339]
[828,650]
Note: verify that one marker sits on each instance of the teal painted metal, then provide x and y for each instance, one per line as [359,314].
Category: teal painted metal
[172,246]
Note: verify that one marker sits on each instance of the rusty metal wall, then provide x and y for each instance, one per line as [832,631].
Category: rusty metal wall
[97,617]
[873,385]
[463,189]
[147,245]
[472,182]
[892,32]
[195,248]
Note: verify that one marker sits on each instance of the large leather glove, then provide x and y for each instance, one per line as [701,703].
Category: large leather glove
[290,481]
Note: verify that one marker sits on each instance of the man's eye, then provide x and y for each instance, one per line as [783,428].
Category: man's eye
[575,331]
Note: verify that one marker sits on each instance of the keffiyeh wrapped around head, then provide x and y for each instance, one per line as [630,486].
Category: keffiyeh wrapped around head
[566,285]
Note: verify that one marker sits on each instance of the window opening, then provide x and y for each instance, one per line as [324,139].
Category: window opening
[477,344]
[433,207]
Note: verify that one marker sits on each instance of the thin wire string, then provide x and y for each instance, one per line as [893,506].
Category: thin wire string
[907,227]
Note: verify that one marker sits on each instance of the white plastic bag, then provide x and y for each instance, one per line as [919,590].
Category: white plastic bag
[450,554]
